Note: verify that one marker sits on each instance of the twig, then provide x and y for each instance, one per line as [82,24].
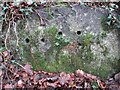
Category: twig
[1,79]
[19,65]
[7,75]
[7,34]
[14,26]
[39,16]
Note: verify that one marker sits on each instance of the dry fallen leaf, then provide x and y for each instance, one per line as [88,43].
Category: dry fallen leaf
[20,83]
[64,78]
[1,59]
[37,77]
[80,73]
[1,72]
[8,86]
[25,77]
[6,54]
[52,84]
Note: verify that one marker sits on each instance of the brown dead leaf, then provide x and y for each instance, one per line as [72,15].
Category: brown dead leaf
[8,86]
[28,70]
[80,73]
[64,78]
[25,76]
[1,59]
[20,83]
[1,72]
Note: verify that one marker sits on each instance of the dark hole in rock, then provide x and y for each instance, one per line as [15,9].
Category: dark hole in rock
[52,14]
[10,53]
[59,33]
[79,44]
[56,10]
[12,58]
[3,45]
[50,81]
[2,42]
[42,39]
[17,79]
[78,32]
[27,40]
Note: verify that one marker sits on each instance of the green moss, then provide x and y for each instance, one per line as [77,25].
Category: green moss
[57,43]
[101,71]
[87,39]
[51,32]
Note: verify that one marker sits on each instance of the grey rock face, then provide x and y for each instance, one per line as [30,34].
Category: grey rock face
[117,77]
[84,19]
[69,20]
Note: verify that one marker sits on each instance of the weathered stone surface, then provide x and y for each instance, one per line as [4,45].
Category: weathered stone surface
[69,20]
[117,77]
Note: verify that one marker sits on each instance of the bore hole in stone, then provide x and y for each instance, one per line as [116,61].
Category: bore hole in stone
[27,40]
[3,45]
[60,33]
[2,42]
[56,10]
[12,58]
[42,39]
[10,53]
[78,32]
[79,44]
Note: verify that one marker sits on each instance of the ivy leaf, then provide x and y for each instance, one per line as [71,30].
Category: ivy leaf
[57,44]
[95,85]
[4,8]
[43,1]
[111,9]
[30,9]
[67,40]
[110,16]
[13,61]
[26,13]
[35,4]
[109,22]
[82,3]
[2,12]
[22,10]
[16,3]
[114,5]
[2,49]
[16,49]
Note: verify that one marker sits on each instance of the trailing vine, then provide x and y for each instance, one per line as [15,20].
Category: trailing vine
[12,12]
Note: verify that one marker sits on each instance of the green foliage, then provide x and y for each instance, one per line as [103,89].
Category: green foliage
[87,39]
[101,71]
[57,42]
[63,62]
[110,22]
[51,33]
[104,24]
